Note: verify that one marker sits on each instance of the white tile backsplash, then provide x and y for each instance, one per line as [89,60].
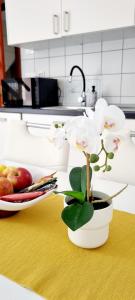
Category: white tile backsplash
[112,40]
[56,47]
[128,61]
[92,42]
[41,53]
[129,38]
[73,45]
[111,85]
[128,85]
[42,67]
[92,63]
[108,65]
[107,59]
[27,53]
[28,68]
[57,66]
[72,60]
[113,100]
[128,100]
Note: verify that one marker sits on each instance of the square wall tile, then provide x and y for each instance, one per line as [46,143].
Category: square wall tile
[128,61]
[73,45]
[27,53]
[56,47]
[41,53]
[93,81]
[42,67]
[92,42]
[75,86]
[92,64]
[111,62]
[111,85]
[57,66]
[113,100]
[71,100]
[61,85]
[129,37]
[128,100]
[112,40]
[72,60]
[128,85]
[28,68]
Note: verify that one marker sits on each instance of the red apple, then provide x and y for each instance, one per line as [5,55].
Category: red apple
[6,187]
[20,178]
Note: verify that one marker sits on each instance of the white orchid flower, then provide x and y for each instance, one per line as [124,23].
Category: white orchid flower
[112,142]
[81,133]
[108,117]
[57,136]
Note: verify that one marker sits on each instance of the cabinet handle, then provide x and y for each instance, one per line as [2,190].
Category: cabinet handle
[66,21]
[55,24]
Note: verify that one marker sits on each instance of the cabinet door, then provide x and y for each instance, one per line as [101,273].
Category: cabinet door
[39,125]
[93,15]
[9,116]
[29,20]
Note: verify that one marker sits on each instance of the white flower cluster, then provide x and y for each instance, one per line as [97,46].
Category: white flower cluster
[86,132]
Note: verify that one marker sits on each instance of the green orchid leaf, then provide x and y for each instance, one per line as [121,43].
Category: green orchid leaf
[84,179]
[76,215]
[75,179]
[75,194]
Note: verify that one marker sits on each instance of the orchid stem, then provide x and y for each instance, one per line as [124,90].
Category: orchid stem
[88,175]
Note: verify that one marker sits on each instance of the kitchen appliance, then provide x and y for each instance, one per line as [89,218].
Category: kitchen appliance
[30,92]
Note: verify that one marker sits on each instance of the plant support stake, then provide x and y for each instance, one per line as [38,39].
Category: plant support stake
[88,176]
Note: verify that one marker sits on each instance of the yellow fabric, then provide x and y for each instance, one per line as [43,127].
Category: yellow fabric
[35,251]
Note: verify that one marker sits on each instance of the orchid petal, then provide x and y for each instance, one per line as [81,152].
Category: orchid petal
[112,142]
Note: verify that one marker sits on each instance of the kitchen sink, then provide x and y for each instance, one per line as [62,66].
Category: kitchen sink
[65,108]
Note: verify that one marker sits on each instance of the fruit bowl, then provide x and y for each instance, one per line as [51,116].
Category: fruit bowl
[10,208]
[39,189]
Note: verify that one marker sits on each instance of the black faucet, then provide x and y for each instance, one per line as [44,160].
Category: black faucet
[82,99]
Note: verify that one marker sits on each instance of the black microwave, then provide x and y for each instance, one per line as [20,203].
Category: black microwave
[30,92]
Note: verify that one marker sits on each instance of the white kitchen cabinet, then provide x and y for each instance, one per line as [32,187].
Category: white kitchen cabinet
[40,124]
[29,20]
[9,116]
[94,15]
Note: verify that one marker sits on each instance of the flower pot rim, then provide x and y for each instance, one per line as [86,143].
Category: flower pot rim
[94,192]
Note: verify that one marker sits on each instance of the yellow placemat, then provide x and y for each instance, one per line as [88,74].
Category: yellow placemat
[35,252]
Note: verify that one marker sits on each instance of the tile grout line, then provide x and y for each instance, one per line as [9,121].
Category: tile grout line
[121,66]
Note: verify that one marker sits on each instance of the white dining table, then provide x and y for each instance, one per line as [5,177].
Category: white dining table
[124,202]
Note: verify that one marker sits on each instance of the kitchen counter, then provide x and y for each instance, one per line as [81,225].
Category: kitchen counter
[61,111]
[56,110]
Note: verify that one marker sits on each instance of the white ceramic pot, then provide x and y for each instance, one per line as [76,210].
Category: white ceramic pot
[94,233]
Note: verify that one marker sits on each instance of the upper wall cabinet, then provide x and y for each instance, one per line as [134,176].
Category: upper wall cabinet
[79,16]
[32,21]
[29,20]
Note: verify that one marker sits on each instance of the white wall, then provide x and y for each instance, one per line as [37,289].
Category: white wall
[107,58]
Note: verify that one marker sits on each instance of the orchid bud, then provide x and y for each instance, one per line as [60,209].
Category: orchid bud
[94,158]
[108,168]
[110,155]
[96,168]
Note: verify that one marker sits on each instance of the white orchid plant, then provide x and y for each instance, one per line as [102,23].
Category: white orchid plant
[94,133]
